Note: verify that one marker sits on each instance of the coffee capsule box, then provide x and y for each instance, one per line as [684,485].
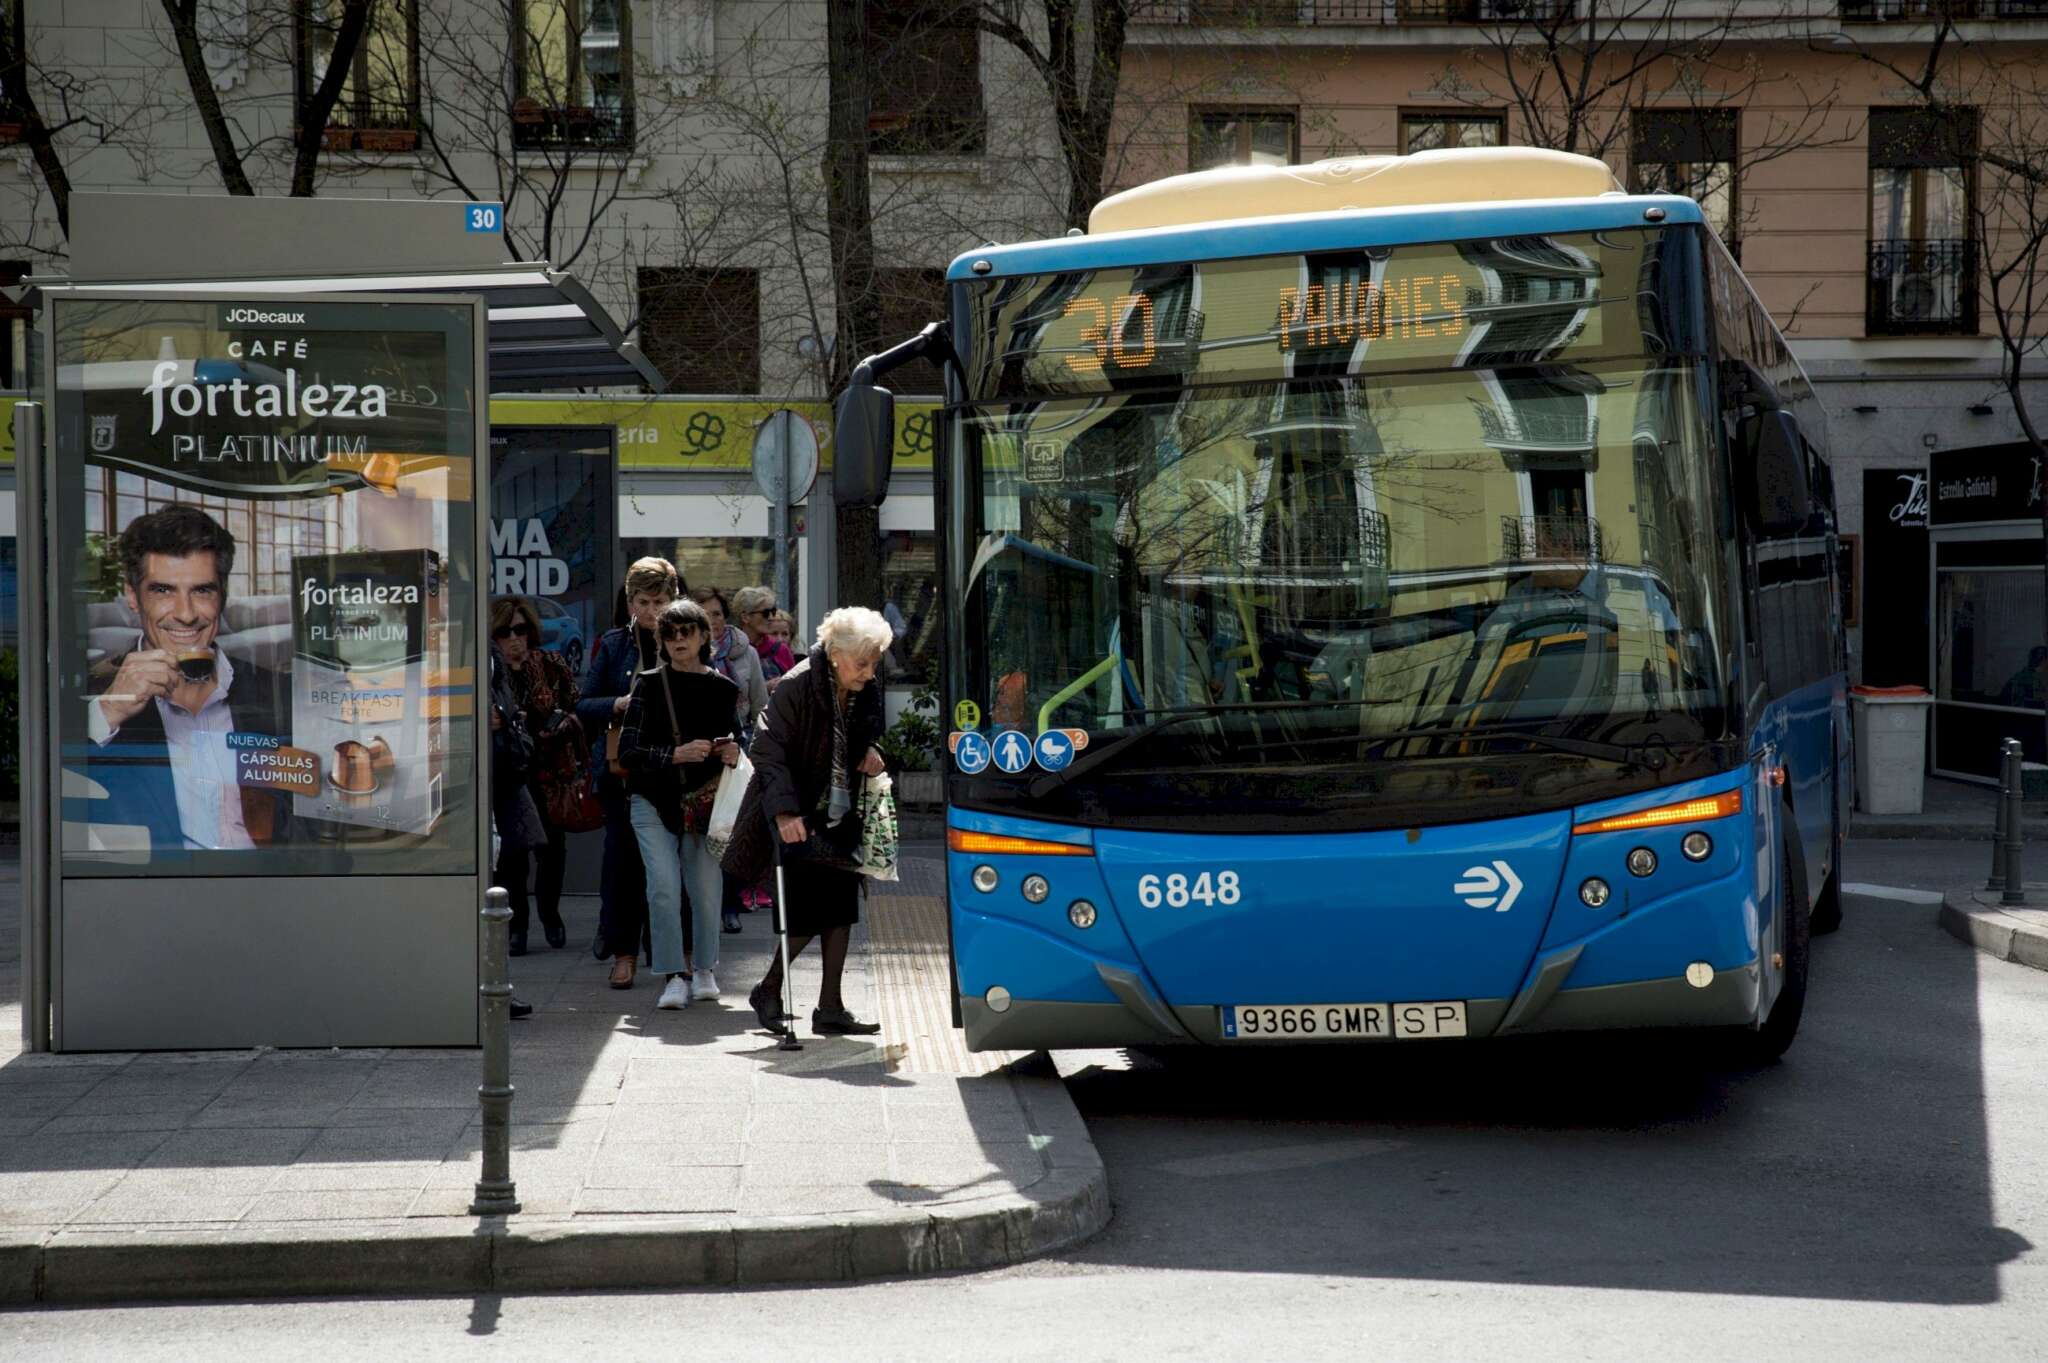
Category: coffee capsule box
[370,639]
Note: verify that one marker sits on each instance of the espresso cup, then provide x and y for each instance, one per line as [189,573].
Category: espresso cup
[195,664]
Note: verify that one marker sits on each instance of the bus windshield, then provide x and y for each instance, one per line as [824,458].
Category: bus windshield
[1381,576]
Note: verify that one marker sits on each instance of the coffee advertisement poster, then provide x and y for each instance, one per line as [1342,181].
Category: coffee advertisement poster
[264,542]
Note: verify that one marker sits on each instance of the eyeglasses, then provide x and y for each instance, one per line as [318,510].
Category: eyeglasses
[507,631]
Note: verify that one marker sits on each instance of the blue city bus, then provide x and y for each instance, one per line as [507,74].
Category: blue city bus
[1382,619]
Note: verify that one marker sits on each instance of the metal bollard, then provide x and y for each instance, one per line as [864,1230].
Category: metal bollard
[495,1194]
[2015,841]
[1996,880]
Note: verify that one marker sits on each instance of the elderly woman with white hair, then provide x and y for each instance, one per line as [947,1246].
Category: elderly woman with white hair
[812,754]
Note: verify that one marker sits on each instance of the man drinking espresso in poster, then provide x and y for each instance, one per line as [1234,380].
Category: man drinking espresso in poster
[195,744]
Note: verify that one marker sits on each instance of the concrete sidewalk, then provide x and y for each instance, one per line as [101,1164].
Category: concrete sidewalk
[1949,810]
[650,1149]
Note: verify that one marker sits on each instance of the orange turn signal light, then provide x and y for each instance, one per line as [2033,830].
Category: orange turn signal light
[1685,811]
[960,840]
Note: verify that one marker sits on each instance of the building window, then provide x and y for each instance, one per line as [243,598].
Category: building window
[379,105]
[574,61]
[1693,152]
[702,328]
[14,76]
[927,96]
[1428,131]
[1923,252]
[1243,137]
[910,297]
[15,325]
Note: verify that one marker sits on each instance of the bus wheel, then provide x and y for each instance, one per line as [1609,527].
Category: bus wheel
[1767,1043]
[1827,908]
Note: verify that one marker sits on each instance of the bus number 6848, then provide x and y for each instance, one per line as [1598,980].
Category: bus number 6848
[1177,891]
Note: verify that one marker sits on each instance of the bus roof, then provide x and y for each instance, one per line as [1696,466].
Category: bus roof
[1450,195]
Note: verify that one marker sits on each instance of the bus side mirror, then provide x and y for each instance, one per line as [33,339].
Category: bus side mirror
[1771,473]
[863,445]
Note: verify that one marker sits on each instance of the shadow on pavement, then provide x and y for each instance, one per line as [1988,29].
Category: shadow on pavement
[1857,1168]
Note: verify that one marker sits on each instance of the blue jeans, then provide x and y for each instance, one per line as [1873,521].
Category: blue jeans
[668,858]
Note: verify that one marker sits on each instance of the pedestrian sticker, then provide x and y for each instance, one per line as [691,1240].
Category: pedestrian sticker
[1053,749]
[970,754]
[1012,751]
[967,715]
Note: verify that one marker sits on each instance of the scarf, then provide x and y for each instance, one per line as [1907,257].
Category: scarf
[840,802]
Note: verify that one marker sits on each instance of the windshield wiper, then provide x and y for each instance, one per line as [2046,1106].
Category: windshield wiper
[1134,738]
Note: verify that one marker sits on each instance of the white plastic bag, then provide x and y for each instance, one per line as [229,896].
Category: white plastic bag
[725,810]
[878,828]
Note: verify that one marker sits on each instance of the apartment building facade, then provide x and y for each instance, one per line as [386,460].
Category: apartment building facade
[1805,131]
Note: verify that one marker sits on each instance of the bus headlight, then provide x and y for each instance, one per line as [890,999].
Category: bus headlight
[1081,914]
[1594,892]
[1697,846]
[1036,888]
[1642,861]
[985,878]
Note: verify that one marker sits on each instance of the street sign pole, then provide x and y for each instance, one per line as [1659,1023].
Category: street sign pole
[785,466]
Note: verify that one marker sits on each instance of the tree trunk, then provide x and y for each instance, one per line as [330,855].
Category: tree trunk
[850,226]
[15,84]
[184,17]
[317,105]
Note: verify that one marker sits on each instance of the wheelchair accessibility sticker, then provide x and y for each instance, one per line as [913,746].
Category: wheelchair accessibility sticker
[970,753]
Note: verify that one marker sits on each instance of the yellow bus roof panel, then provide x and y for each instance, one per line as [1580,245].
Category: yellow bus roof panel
[1455,175]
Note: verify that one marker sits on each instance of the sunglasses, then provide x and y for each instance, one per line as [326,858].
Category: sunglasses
[680,632]
[507,631]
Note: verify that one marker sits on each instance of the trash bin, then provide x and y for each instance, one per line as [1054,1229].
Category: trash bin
[1891,747]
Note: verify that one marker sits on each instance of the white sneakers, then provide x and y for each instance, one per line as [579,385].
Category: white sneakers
[676,993]
[705,985]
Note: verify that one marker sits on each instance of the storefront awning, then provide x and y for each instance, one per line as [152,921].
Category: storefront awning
[546,330]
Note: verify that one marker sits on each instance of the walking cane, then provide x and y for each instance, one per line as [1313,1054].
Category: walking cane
[788,999]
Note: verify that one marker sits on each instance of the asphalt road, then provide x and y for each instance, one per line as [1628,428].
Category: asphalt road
[1882,1193]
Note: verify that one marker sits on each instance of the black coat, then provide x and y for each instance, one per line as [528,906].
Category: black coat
[792,757]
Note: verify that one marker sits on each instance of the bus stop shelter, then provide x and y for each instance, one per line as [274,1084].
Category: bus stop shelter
[255,577]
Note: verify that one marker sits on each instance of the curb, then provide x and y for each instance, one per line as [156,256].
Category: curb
[1976,917]
[493,1255]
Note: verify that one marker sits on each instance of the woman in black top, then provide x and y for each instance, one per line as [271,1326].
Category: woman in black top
[678,739]
[812,753]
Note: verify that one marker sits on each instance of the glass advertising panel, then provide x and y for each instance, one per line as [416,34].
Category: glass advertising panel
[266,594]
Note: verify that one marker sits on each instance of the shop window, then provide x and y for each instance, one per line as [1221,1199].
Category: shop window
[910,298]
[379,106]
[702,328]
[1427,131]
[926,99]
[911,604]
[727,562]
[1923,251]
[1694,152]
[1988,646]
[573,64]
[1243,137]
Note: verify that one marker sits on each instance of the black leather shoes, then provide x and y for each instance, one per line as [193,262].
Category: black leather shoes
[520,1008]
[515,944]
[731,923]
[768,1008]
[839,1022]
[552,927]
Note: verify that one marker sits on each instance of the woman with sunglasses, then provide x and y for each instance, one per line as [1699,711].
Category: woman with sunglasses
[679,737]
[544,689]
[621,657]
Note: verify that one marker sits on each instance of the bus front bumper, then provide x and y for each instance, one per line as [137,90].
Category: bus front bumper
[1728,1000]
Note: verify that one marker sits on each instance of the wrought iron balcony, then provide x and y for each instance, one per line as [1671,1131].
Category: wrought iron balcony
[536,126]
[1549,539]
[1925,11]
[1312,13]
[1922,288]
